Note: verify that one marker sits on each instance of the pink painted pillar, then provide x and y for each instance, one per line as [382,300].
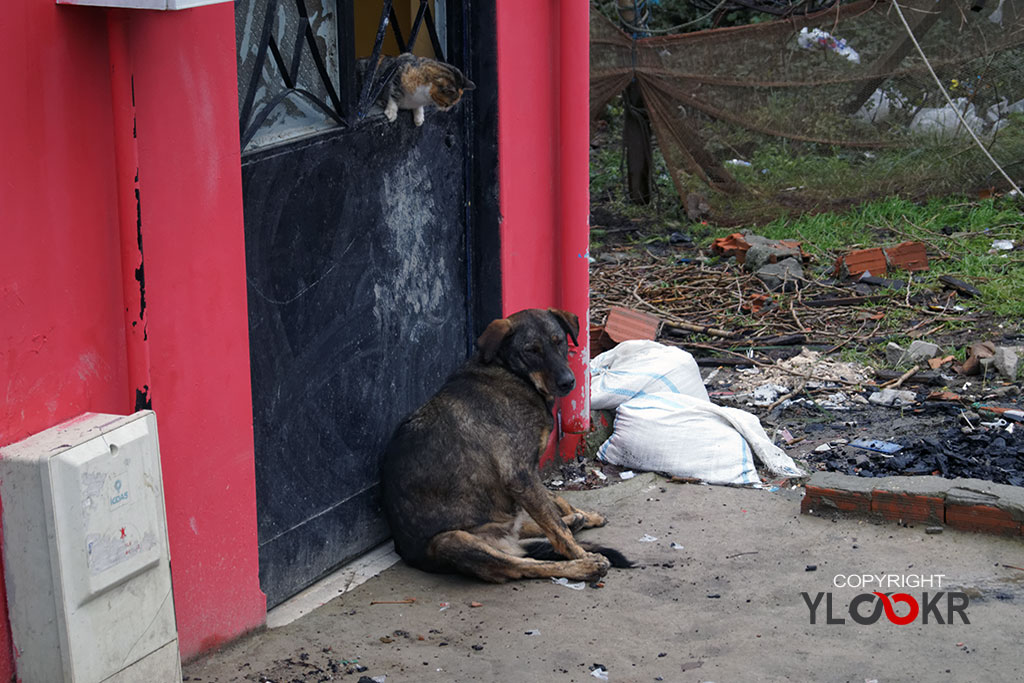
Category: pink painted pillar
[573,225]
[543,157]
[186,99]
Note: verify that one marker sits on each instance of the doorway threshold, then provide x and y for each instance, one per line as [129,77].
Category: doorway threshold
[343,579]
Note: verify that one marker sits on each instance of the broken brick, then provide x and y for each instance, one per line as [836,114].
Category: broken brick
[860,261]
[908,256]
[878,261]
[983,518]
[756,302]
[732,245]
[599,343]
[943,396]
[977,351]
[624,324]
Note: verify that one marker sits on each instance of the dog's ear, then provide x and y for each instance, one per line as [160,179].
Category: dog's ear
[569,322]
[490,341]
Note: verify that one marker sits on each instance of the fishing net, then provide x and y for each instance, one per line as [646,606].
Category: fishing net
[832,104]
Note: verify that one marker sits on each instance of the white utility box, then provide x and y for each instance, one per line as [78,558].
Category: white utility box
[85,553]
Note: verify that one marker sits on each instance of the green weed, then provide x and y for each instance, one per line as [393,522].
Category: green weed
[959,234]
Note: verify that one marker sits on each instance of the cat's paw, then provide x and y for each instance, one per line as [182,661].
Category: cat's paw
[391,111]
[417,116]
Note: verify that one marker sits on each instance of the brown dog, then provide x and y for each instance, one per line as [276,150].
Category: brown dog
[461,485]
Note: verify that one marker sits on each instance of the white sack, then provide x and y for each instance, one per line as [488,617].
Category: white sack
[943,121]
[685,436]
[638,367]
[878,107]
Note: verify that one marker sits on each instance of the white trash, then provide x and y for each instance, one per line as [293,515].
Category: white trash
[995,112]
[815,38]
[665,421]
[997,14]
[638,367]
[944,122]
[880,105]
[684,436]
[767,394]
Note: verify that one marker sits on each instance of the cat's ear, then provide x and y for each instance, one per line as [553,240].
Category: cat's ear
[468,84]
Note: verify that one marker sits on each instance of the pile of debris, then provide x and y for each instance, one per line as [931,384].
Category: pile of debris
[942,405]
[769,300]
[809,369]
[779,263]
[992,453]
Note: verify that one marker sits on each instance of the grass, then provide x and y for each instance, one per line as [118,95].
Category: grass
[834,200]
[958,231]
[859,356]
[787,177]
[959,234]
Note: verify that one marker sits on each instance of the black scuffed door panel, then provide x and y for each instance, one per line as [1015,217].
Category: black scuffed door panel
[355,252]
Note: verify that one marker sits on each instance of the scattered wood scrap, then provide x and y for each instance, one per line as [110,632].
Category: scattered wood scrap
[722,308]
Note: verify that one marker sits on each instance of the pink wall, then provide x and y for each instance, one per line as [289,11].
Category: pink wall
[62,320]
[193,240]
[61,331]
[543,148]
[61,328]
[63,334]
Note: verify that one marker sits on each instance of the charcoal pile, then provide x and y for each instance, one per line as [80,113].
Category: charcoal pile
[991,454]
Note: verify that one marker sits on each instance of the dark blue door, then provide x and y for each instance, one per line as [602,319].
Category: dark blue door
[359,268]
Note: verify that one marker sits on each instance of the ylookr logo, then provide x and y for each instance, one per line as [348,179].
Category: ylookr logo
[940,607]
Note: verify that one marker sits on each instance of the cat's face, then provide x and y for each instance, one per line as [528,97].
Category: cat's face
[447,90]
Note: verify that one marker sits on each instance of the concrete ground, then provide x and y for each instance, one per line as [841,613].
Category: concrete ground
[726,606]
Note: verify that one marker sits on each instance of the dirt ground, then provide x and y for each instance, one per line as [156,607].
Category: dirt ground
[718,593]
[656,268]
[716,597]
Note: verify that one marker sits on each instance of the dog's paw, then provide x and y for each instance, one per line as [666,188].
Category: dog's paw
[594,566]
[593,519]
[577,521]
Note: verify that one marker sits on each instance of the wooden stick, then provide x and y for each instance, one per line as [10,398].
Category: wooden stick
[782,399]
[675,322]
[702,329]
[898,382]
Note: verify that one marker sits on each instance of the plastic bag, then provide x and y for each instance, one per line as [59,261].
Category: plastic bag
[816,38]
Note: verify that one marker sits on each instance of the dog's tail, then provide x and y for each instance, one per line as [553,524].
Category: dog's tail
[543,550]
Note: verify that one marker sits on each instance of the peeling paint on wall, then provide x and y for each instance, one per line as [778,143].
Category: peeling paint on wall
[142,400]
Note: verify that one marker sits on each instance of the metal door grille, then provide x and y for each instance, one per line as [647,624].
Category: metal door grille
[297,65]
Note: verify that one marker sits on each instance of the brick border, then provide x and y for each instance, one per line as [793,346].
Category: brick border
[964,504]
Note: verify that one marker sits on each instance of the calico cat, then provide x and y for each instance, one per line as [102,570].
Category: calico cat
[416,82]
